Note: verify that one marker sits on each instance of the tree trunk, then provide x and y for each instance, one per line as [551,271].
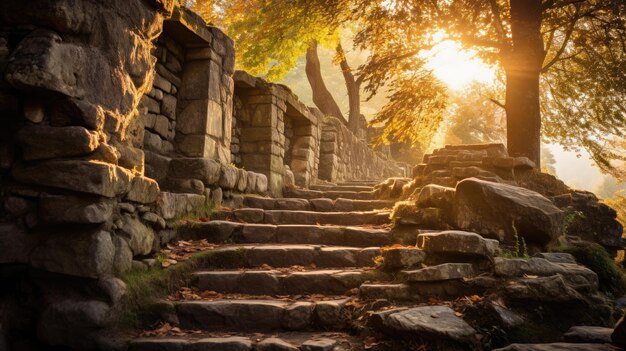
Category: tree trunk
[523,65]
[322,98]
[354,92]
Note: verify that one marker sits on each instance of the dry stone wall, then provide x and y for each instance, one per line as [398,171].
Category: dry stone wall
[275,134]
[345,157]
[76,206]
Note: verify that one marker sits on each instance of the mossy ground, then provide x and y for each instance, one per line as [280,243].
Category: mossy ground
[145,288]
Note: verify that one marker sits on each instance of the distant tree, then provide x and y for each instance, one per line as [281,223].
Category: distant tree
[609,187]
[473,117]
[548,161]
[574,48]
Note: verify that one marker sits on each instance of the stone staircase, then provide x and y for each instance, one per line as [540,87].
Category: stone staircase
[304,272]
[285,273]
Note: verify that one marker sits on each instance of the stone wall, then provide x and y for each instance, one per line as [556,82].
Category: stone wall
[187,118]
[275,134]
[345,157]
[76,206]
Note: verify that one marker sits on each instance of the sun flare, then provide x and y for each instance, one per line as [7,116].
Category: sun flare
[457,67]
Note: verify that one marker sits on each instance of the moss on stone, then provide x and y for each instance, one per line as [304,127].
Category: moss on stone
[596,258]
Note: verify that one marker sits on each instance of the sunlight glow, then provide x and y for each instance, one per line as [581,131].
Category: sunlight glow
[457,67]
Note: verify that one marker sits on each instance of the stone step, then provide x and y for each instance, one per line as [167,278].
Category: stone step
[416,292]
[285,341]
[261,315]
[319,204]
[257,215]
[278,256]
[314,194]
[329,187]
[273,282]
[361,182]
[225,231]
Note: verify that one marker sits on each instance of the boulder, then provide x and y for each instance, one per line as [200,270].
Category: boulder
[208,171]
[436,322]
[506,212]
[557,257]
[40,142]
[76,253]
[457,243]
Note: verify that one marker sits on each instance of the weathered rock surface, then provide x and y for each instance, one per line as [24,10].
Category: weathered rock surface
[457,243]
[588,334]
[499,211]
[439,322]
[561,346]
[445,271]
[577,276]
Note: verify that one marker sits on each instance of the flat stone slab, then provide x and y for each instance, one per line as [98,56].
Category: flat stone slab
[588,334]
[220,231]
[560,346]
[439,322]
[457,243]
[234,343]
[250,256]
[336,218]
[355,188]
[259,315]
[276,283]
[578,276]
[446,271]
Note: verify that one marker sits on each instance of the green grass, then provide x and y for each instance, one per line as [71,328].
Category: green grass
[204,211]
[145,288]
[596,258]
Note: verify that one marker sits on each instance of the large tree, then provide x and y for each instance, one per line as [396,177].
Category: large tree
[575,46]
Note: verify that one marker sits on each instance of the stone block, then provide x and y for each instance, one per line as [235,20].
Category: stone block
[84,254]
[87,177]
[15,243]
[196,145]
[39,142]
[208,171]
[171,205]
[242,180]
[150,104]
[161,126]
[168,106]
[75,209]
[162,83]
[228,177]
[143,190]
[140,237]
[261,183]
[265,115]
